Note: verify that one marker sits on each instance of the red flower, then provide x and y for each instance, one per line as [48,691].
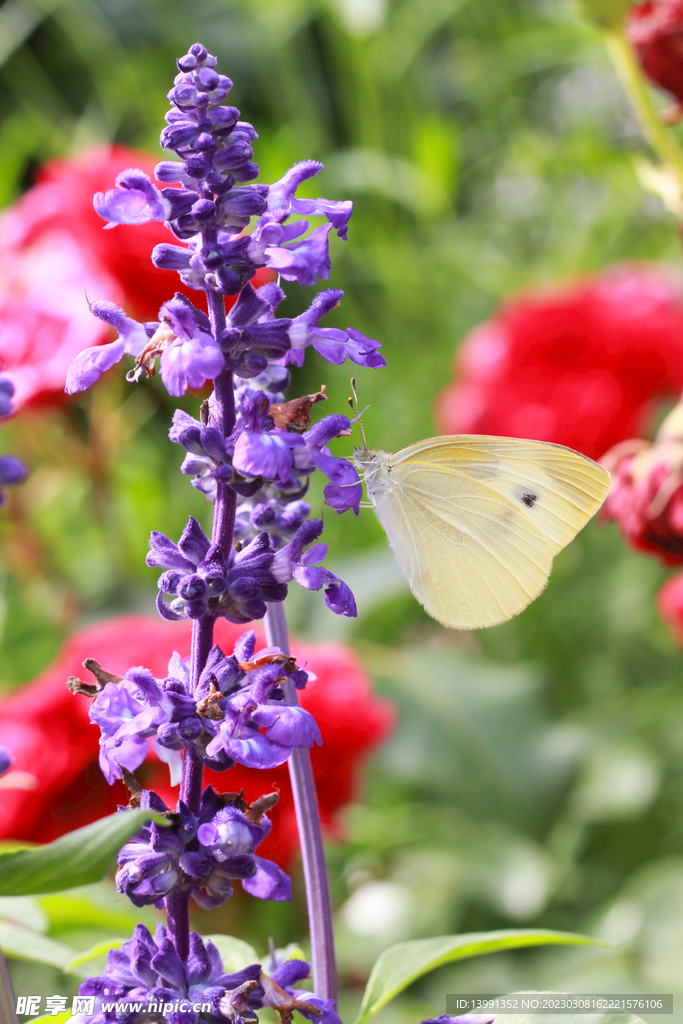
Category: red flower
[655,31]
[670,606]
[55,747]
[581,366]
[54,250]
[646,496]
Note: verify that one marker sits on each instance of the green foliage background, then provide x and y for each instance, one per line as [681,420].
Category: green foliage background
[537,774]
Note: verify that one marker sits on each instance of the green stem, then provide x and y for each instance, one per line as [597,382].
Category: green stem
[628,69]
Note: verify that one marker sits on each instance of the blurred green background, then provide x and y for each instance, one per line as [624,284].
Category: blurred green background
[536,777]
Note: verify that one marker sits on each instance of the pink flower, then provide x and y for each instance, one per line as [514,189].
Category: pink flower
[646,496]
[670,606]
[582,365]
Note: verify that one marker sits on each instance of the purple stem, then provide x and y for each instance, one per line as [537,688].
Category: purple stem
[320,918]
[191,783]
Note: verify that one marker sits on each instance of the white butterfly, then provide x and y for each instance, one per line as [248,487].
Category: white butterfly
[475,521]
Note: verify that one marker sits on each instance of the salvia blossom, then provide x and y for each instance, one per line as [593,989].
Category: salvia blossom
[237,697]
[147,970]
[202,853]
[655,31]
[582,365]
[215,710]
[55,745]
[646,496]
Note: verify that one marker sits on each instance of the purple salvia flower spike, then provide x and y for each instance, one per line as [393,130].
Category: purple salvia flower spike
[248,445]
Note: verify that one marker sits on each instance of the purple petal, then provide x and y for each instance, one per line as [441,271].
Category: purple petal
[363,351]
[288,725]
[269,882]
[338,596]
[290,971]
[329,1014]
[310,577]
[255,751]
[249,307]
[134,334]
[135,200]
[338,212]
[91,363]
[168,964]
[193,544]
[316,553]
[307,261]
[264,454]
[165,611]
[329,426]
[185,320]
[345,489]
[164,554]
[281,193]
[190,364]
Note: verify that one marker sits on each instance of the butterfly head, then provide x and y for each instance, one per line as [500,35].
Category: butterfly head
[364,458]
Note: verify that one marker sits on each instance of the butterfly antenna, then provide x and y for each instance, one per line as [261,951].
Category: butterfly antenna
[358,412]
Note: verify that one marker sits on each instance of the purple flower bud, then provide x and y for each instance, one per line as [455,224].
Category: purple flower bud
[6,760]
[170,257]
[191,587]
[12,470]
[6,394]
[196,167]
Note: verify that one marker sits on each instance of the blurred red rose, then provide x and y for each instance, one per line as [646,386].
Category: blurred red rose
[646,495]
[59,786]
[580,366]
[54,250]
[670,606]
[655,31]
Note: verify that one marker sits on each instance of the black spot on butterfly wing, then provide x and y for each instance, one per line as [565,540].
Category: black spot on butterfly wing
[528,498]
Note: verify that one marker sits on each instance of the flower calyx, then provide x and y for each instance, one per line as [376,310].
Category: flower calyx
[101,675]
[283,1002]
[133,787]
[208,706]
[295,415]
[162,339]
[254,812]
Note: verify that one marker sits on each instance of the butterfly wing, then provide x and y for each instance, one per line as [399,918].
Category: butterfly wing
[475,521]
[558,488]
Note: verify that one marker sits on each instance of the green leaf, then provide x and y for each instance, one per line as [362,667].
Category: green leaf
[75,859]
[97,906]
[402,964]
[25,944]
[235,953]
[99,949]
